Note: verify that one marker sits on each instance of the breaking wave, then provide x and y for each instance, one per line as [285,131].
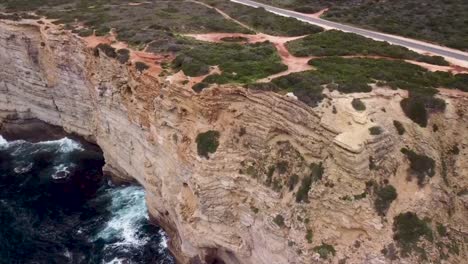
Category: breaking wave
[56,207]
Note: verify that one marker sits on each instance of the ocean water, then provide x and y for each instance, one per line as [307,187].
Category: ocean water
[56,207]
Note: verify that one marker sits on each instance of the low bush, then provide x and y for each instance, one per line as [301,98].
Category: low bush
[384,198]
[207,143]
[315,175]
[199,87]
[408,230]
[279,220]
[292,182]
[107,49]
[309,236]
[141,66]
[234,39]
[325,250]
[375,130]
[421,165]
[123,55]
[399,127]
[358,105]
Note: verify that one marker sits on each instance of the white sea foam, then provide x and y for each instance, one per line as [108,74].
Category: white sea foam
[3,143]
[23,168]
[128,209]
[117,261]
[62,171]
[163,244]
[65,145]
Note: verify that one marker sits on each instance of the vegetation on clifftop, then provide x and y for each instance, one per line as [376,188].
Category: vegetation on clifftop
[338,43]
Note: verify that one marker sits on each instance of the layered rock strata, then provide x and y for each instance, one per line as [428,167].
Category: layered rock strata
[226,208]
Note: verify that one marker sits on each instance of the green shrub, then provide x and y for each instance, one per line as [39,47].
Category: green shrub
[375,130]
[279,220]
[316,174]
[123,55]
[358,104]
[207,142]
[415,110]
[234,39]
[421,165]
[199,87]
[141,66]
[107,49]
[282,167]
[293,180]
[325,250]
[408,230]
[384,198]
[399,127]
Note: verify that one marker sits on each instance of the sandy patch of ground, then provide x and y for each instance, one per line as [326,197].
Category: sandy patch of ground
[319,13]
[181,78]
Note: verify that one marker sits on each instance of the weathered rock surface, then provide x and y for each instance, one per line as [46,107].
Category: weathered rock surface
[223,208]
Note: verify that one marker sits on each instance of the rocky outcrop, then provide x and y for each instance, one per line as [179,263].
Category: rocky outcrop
[240,205]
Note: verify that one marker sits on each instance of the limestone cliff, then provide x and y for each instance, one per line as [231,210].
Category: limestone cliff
[240,205]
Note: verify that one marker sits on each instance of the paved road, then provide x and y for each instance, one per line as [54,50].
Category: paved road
[434,49]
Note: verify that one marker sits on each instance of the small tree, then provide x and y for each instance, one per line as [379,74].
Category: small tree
[358,105]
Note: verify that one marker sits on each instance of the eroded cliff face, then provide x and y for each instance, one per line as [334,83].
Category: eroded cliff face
[238,206]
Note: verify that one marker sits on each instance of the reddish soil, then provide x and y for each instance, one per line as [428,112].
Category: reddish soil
[152,60]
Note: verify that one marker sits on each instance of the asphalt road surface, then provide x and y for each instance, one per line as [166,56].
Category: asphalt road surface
[431,48]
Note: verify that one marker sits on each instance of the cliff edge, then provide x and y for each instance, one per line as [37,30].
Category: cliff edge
[241,176]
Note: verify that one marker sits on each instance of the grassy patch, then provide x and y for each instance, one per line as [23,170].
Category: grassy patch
[207,142]
[238,63]
[421,165]
[408,230]
[338,43]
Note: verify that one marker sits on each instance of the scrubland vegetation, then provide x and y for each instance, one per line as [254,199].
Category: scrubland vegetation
[443,22]
[338,43]
[264,21]
[238,63]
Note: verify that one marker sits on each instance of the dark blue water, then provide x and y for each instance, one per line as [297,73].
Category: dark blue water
[56,207]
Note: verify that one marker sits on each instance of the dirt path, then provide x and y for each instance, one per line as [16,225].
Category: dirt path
[225,15]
